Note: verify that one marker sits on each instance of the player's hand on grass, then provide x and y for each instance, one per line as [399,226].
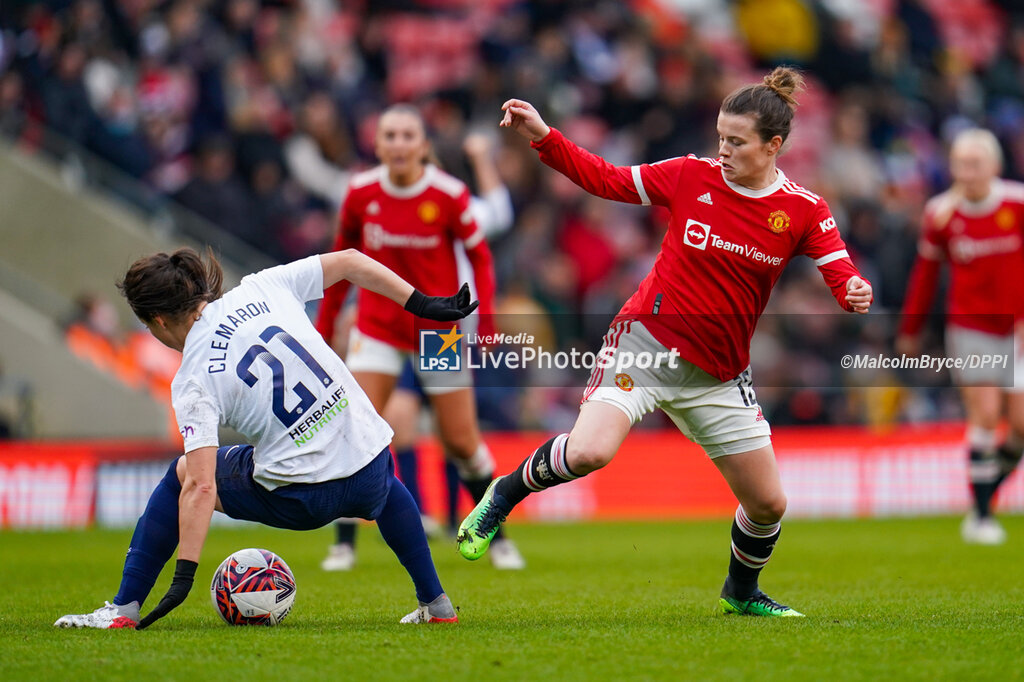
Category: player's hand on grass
[859,294]
[181,585]
[442,308]
[523,118]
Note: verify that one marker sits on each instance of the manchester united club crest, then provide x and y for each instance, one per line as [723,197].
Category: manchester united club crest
[778,221]
[624,382]
[1005,218]
[428,212]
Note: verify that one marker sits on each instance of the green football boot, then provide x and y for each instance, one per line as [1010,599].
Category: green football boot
[479,527]
[759,604]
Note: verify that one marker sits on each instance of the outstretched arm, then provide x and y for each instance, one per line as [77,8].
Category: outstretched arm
[645,184]
[348,237]
[359,269]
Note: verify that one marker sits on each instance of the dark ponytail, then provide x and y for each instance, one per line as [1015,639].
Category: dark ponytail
[171,285]
[771,102]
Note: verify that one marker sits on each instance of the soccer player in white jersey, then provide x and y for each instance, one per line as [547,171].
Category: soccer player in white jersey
[736,221]
[252,360]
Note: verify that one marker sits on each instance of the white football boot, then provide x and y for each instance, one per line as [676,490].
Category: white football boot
[982,531]
[438,611]
[107,617]
[505,555]
[340,557]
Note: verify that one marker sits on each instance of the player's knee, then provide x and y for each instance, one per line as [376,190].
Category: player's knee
[587,454]
[768,510]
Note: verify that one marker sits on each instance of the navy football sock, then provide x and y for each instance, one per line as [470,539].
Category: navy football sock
[400,525]
[408,471]
[154,540]
[454,485]
[345,532]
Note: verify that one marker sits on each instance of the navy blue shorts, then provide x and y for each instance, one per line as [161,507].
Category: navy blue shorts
[301,506]
[410,382]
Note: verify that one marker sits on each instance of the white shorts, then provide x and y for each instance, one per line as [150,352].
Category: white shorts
[982,348]
[367,354]
[722,417]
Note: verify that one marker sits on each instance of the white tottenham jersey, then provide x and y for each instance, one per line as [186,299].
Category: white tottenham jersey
[254,362]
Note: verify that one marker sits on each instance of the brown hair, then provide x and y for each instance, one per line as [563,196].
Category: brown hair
[171,285]
[771,102]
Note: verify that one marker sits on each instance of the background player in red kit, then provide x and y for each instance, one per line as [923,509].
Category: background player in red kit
[977,226]
[736,222]
[408,214]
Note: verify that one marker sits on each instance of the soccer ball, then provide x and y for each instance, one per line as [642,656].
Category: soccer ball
[253,587]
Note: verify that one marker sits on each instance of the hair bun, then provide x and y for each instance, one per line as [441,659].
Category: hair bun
[784,82]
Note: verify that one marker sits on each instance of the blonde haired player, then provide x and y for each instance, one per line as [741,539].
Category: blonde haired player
[977,228]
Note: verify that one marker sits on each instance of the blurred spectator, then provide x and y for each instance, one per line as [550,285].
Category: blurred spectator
[65,99]
[217,193]
[6,419]
[254,114]
[13,115]
[319,152]
[15,406]
[93,332]
[851,169]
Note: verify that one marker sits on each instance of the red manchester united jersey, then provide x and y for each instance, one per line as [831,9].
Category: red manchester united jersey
[725,247]
[983,242]
[413,231]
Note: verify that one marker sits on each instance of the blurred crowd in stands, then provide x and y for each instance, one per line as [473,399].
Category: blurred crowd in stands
[253,114]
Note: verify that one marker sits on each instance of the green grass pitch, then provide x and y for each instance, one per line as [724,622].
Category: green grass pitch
[896,599]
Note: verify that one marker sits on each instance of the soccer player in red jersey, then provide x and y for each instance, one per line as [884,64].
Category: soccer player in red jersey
[977,226]
[409,215]
[736,221]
